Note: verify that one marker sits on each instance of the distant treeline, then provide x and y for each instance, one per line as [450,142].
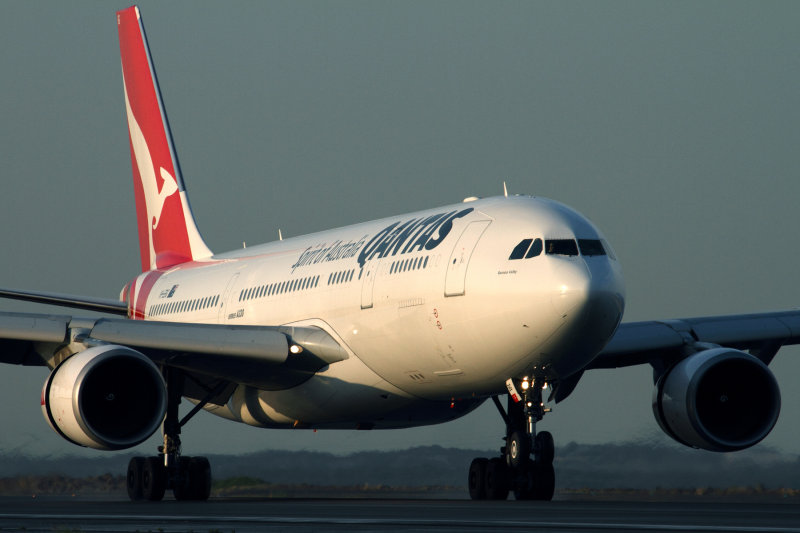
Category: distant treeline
[579,467]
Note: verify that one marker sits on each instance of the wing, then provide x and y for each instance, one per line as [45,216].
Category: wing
[637,343]
[661,344]
[266,357]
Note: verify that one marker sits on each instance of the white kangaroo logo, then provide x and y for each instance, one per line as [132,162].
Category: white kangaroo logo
[153,198]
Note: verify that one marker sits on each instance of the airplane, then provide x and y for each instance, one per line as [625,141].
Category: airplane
[409,320]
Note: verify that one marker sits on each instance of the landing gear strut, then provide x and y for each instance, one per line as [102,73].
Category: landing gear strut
[189,478]
[526,462]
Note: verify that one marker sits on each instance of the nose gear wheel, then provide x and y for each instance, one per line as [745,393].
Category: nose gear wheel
[526,462]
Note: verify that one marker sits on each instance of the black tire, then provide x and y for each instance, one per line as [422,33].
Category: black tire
[543,483]
[545,448]
[200,477]
[497,479]
[518,449]
[154,479]
[134,483]
[477,478]
[522,481]
[194,479]
[181,486]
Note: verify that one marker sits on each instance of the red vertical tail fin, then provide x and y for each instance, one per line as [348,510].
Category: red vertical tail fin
[168,234]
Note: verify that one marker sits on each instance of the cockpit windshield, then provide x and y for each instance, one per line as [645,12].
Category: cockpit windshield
[560,247]
[591,247]
[526,249]
[519,250]
[531,247]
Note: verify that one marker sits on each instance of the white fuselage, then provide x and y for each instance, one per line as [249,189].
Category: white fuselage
[434,313]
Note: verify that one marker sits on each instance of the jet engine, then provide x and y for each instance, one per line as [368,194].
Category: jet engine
[106,397]
[719,399]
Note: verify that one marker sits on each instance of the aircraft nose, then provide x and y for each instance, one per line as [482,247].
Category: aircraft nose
[572,286]
[588,296]
[580,286]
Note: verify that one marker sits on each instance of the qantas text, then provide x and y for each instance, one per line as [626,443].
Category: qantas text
[401,237]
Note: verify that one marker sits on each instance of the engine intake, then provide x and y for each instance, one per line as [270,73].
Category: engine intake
[106,397]
[719,399]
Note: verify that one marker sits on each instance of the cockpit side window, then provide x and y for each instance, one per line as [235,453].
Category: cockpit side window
[519,250]
[591,247]
[609,250]
[561,247]
[535,249]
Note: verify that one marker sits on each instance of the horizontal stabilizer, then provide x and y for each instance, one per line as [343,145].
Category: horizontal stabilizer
[88,303]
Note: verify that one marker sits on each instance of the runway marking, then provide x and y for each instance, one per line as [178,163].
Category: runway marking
[400,522]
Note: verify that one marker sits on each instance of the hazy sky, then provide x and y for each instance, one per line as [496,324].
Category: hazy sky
[674,126]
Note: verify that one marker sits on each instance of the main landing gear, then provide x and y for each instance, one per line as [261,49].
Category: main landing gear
[526,462]
[189,478]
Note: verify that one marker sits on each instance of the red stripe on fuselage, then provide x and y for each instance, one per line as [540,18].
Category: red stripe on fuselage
[143,293]
[132,298]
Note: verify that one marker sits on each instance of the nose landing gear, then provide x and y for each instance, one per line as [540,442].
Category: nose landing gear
[526,462]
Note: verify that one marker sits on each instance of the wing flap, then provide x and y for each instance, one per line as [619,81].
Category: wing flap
[33,327]
[19,332]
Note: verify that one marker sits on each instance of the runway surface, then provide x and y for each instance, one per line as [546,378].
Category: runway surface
[250,515]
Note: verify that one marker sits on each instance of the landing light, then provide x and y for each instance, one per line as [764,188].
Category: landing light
[295,349]
[525,385]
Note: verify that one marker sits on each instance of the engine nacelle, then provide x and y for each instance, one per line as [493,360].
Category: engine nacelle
[106,397]
[718,399]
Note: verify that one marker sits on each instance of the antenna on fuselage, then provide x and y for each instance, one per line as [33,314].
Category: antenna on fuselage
[505,190]
[280,235]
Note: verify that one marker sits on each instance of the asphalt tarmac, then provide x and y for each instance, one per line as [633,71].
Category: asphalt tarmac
[251,515]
